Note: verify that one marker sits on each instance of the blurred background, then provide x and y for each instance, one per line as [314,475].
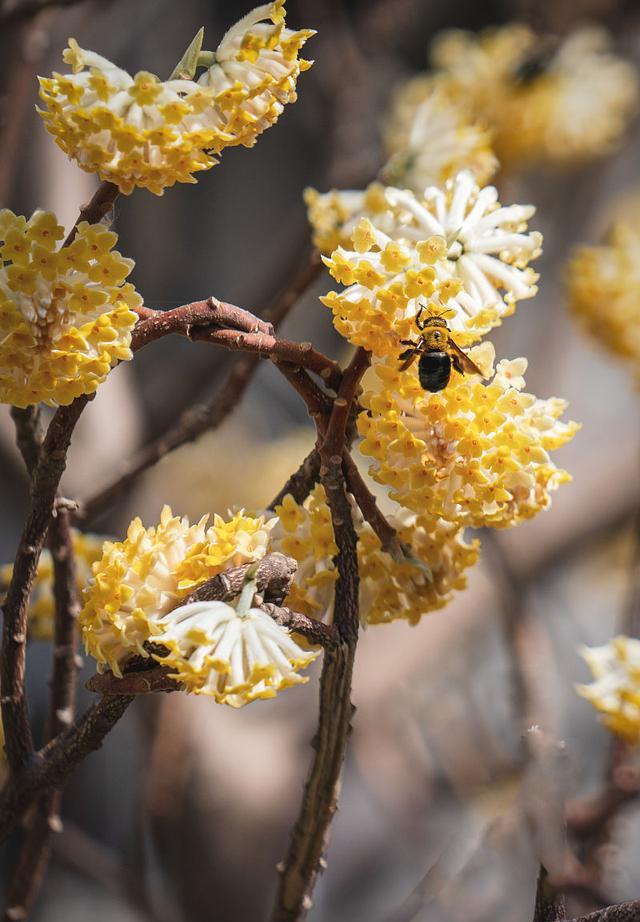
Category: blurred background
[447,805]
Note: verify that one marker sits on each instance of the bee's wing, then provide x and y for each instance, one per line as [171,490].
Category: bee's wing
[461,358]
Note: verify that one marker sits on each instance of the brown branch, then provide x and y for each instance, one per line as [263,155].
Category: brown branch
[96,209]
[36,848]
[549,904]
[325,635]
[207,416]
[13,13]
[254,337]
[368,506]
[334,440]
[29,435]
[320,797]
[15,715]
[51,766]
[620,912]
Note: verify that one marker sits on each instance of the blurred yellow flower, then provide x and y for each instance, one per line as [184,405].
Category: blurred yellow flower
[429,138]
[140,580]
[66,315]
[475,453]
[615,691]
[231,655]
[141,131]
[543,101]
[87,549]
[604,292]
[456,247]
[423,581]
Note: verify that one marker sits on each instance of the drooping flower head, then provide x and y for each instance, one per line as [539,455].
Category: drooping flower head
[615,691]
[142,131]
[604,292]
[65,314]
[255,71]
[430,138]
[422,581]
[228,654]
[87,549]
[140,580]
[474,454]
[456,248]
[545,101]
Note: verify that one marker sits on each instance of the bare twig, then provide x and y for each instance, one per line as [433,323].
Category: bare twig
[36,847]
[29,434]
[51,766]
[620,912]
[15,12]
[319,802]
[207,416]
[96,209]
[53,455]
[549,905]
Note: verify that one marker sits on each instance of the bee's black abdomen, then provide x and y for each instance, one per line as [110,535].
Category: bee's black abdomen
[434,370]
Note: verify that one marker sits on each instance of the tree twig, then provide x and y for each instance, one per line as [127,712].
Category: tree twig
[13,13]
[208,416]
[309,836]
[52,765]
[46,478]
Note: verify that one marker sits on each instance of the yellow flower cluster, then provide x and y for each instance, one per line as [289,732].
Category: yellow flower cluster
[475,453]
[542,101]
[615,691]
[233,656]
[423,581]
[139,581]
[604,292]
[430,138]
[66,314]
[456,247]
[141,131]
[87,549]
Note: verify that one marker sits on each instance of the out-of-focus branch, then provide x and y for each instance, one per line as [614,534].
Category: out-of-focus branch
[14,12]
[319,802]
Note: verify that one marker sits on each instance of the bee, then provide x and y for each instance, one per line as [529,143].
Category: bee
[437,351]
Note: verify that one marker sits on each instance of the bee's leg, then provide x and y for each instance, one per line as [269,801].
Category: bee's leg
[455,361]
[408,342]
[407,358]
